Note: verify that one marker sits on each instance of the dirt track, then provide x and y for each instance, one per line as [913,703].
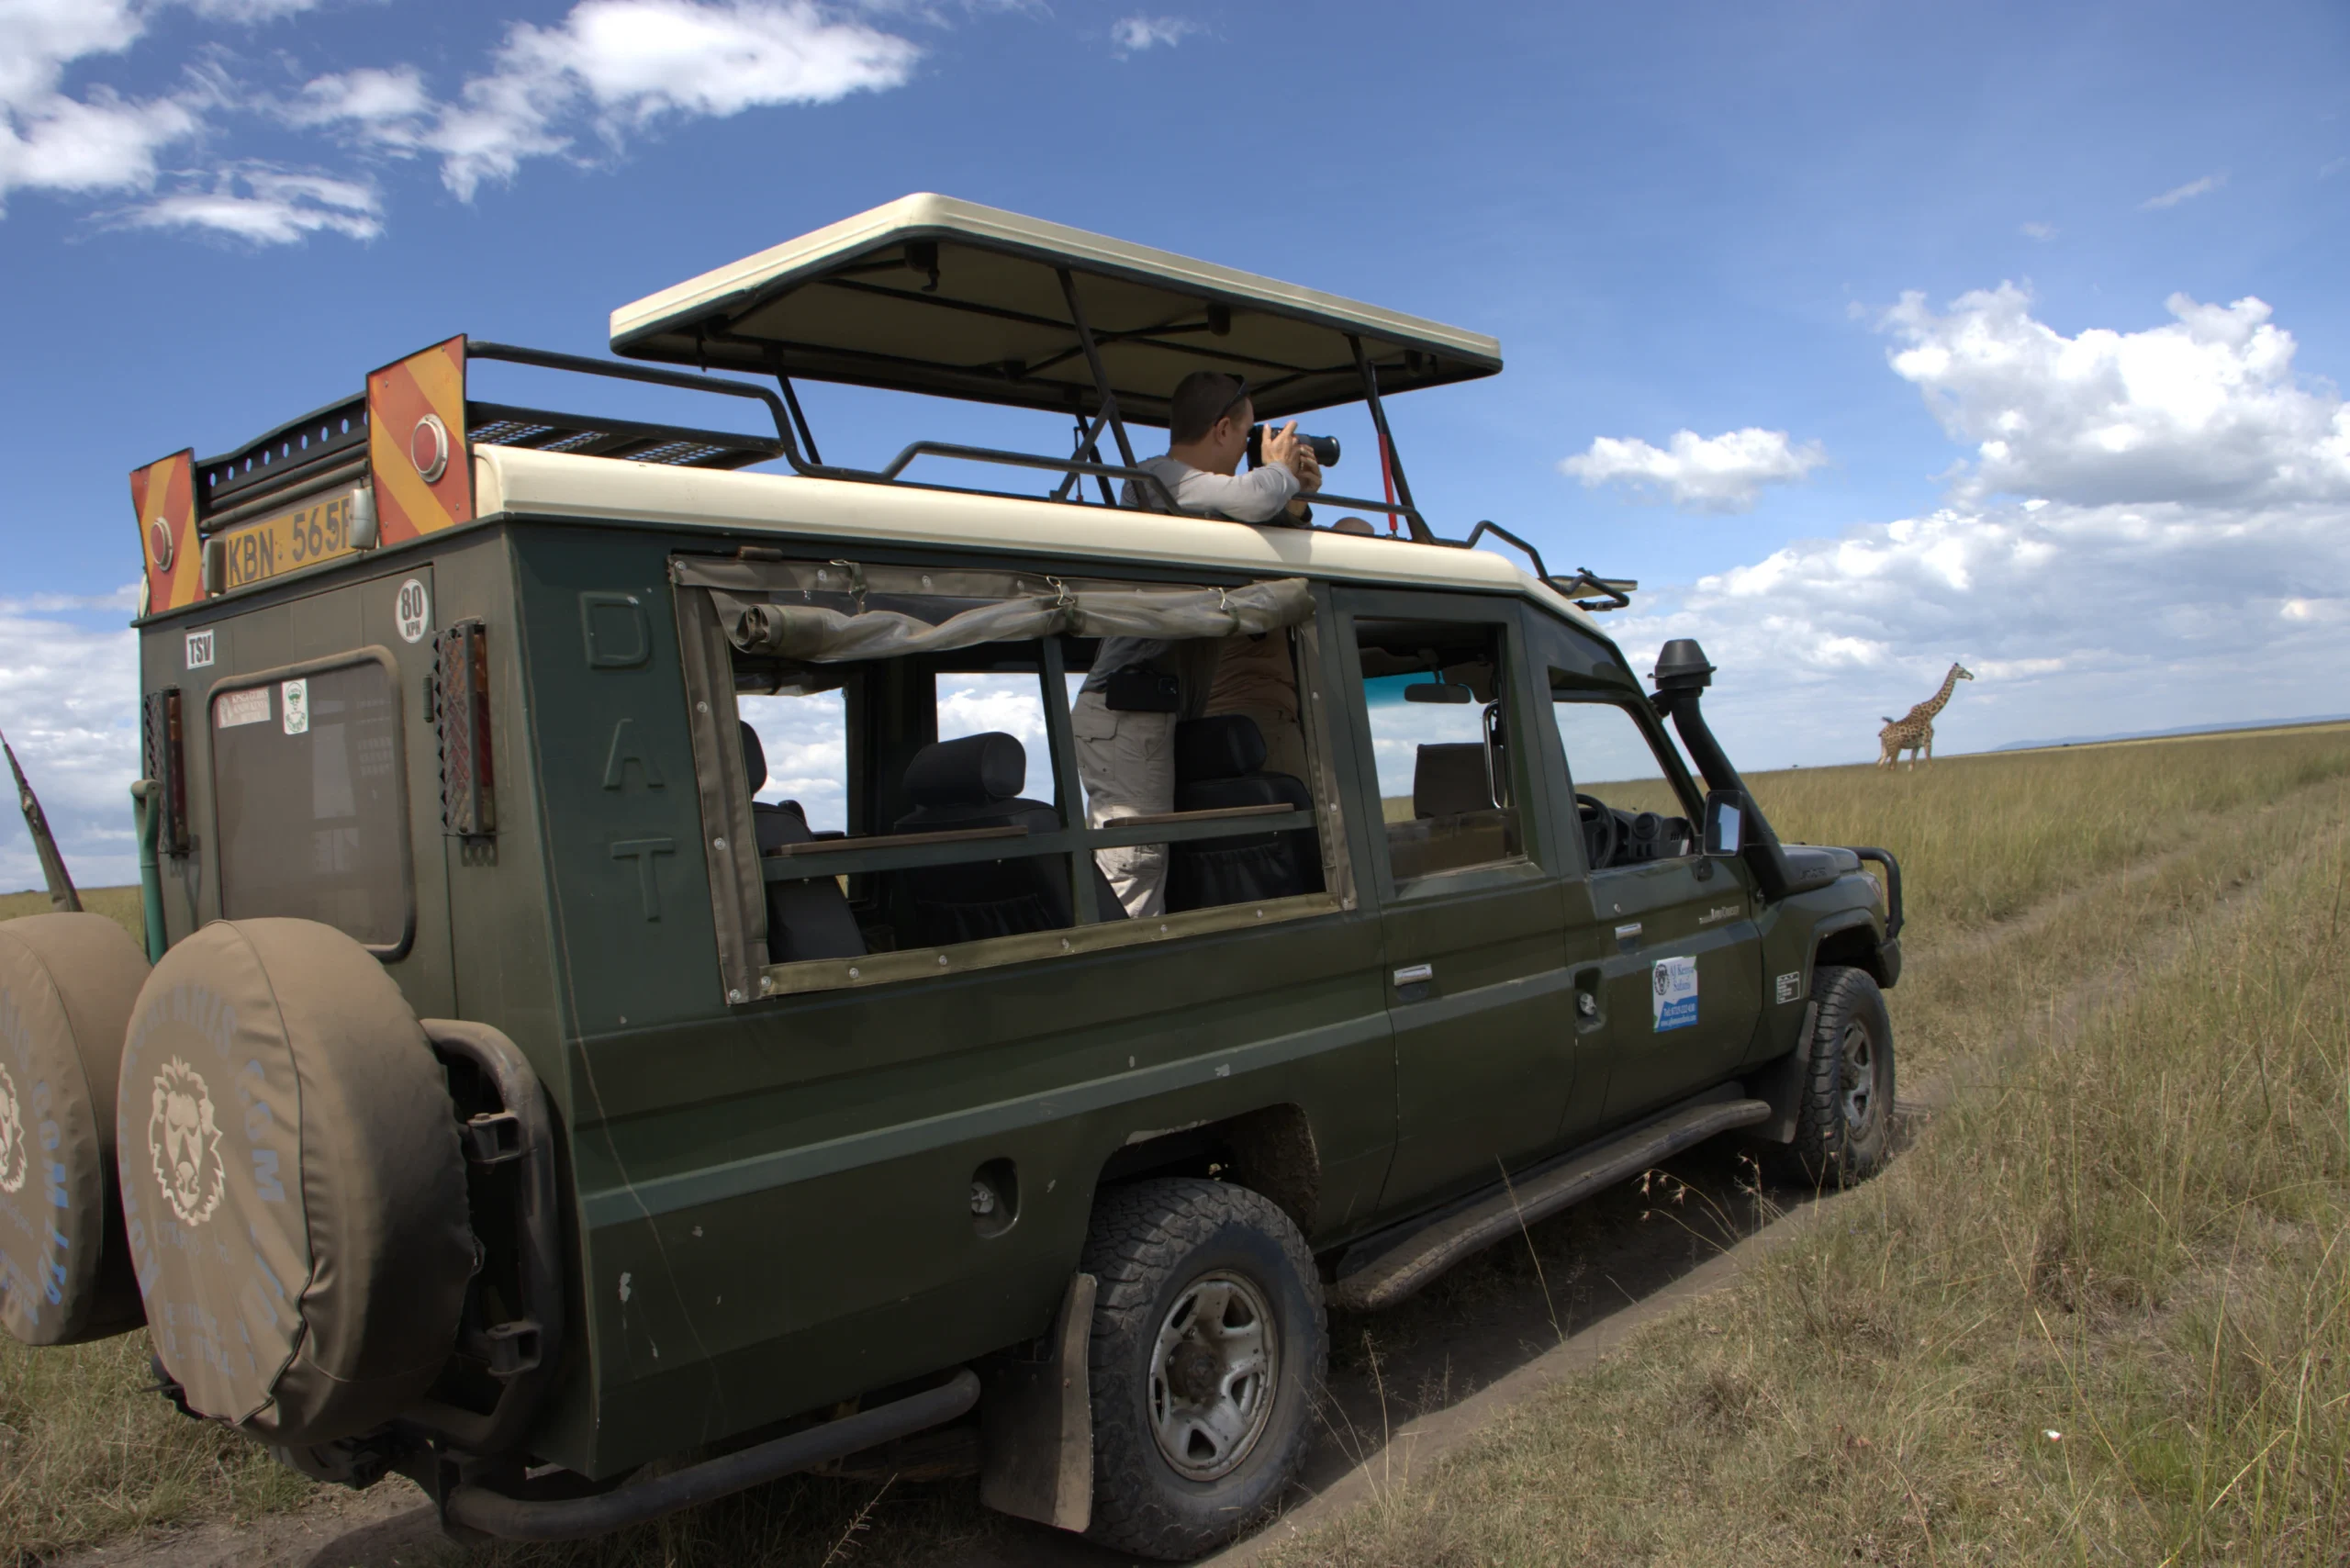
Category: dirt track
[1404,1384]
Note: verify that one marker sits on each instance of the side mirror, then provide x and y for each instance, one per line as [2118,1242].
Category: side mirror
[1725,821]
[1439,692]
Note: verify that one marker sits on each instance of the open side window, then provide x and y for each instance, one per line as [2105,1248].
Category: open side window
[891,753]
[1436,695]
[1634,802]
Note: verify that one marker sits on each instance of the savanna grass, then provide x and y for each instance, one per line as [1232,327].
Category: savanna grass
[2100,1312]
[117,905]
[2122,1229]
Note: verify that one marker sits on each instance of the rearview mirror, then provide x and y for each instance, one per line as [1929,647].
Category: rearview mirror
[1439,692]
[1725,821]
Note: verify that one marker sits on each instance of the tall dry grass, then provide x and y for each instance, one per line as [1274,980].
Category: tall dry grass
[2124,1228]
[2100,1312]
[117,905]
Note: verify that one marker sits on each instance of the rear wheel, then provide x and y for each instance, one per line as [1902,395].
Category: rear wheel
[1844,1121]
[1208,1348]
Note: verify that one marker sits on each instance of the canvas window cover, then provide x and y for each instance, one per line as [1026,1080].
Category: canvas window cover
[311,810]
[760,627]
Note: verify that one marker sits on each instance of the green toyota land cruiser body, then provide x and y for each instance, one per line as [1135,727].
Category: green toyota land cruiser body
[630,977]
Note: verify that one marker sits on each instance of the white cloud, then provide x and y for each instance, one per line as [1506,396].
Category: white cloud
[2074,619]
[2187,192]
[62,708]
[2040,230]
[268,207]
[99,142]
[1132,35]
[249,11]
[610,67]
[389,107]
[607,69]
[1718,473]
[2206,408]
[2181,554]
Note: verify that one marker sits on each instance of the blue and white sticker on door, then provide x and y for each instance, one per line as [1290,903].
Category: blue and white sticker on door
[1674,992]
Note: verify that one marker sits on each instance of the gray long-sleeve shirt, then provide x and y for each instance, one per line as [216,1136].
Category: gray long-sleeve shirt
[1258,496]
[1261,496]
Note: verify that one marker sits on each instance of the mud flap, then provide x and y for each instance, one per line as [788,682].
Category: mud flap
[1780,1083]
[1036,1424]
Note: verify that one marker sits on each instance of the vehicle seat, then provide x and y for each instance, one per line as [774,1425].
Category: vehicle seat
[1219,763]
[1456,822]
[806,919]
[1451,780]
[970,783]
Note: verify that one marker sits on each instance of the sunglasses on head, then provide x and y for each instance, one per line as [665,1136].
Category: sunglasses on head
[1238,398]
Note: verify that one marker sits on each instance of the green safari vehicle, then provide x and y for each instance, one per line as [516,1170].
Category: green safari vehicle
[632,976]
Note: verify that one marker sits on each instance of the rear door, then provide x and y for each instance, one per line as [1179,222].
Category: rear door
[1478,988]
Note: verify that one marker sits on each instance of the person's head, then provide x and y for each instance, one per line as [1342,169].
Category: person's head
[1208,421]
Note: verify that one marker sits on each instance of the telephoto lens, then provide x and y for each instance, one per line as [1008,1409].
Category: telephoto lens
[1324,447]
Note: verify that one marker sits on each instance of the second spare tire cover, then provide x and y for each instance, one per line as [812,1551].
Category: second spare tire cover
[293,1185]
[67,985]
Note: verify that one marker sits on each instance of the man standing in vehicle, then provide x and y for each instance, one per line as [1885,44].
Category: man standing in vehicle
[1125,747]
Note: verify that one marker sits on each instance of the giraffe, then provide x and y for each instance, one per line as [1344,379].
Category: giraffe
[1914,733]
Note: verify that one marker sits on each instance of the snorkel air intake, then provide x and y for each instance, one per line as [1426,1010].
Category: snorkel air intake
[1682,674]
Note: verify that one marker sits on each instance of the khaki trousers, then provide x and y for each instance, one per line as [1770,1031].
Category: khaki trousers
[1127,763]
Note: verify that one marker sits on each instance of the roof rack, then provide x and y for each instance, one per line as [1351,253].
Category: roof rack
[925,294]
[328,445]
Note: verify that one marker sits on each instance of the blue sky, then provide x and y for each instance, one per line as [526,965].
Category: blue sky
[2072,458]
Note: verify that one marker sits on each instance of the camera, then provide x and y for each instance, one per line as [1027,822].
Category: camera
[1324,447]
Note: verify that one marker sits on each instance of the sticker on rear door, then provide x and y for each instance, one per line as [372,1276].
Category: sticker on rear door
[1674,992]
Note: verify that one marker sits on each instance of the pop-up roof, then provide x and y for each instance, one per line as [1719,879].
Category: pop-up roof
[933,294]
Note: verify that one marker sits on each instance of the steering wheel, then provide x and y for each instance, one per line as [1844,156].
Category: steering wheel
[1599,842]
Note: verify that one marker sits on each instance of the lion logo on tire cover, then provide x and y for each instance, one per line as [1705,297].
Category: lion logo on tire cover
[14,1162]
[185,1143]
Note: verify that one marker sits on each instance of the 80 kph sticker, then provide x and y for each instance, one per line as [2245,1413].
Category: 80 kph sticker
[413,608]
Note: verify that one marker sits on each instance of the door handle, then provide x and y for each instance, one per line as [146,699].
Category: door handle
[1415,974]
[1591,1012]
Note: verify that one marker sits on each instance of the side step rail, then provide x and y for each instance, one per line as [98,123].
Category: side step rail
[1405,1268]
[477,1507]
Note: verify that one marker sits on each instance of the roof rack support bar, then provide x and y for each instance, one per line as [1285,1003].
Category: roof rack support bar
[1093,359]
[1394,459]
[1499,531]
[1087,450]
[791,400]
[1421,532]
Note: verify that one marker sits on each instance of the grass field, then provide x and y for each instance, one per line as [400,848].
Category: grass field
[2099,1312]
[117,905]
[2124,1224]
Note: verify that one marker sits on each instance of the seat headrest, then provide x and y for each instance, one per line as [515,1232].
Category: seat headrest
[1450,779]
[754,758]
[973,771]
[1228,745]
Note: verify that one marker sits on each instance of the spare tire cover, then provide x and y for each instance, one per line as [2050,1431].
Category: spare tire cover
[67,985]
[293,1185]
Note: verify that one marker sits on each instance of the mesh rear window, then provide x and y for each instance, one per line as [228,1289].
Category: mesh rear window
[312,818]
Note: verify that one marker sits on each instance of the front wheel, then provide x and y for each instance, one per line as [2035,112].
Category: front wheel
[1844,1120]
[1209,1346]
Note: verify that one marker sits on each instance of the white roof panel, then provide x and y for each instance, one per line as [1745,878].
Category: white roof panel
[930,294]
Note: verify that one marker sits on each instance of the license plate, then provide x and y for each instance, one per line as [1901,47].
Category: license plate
[303,536]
